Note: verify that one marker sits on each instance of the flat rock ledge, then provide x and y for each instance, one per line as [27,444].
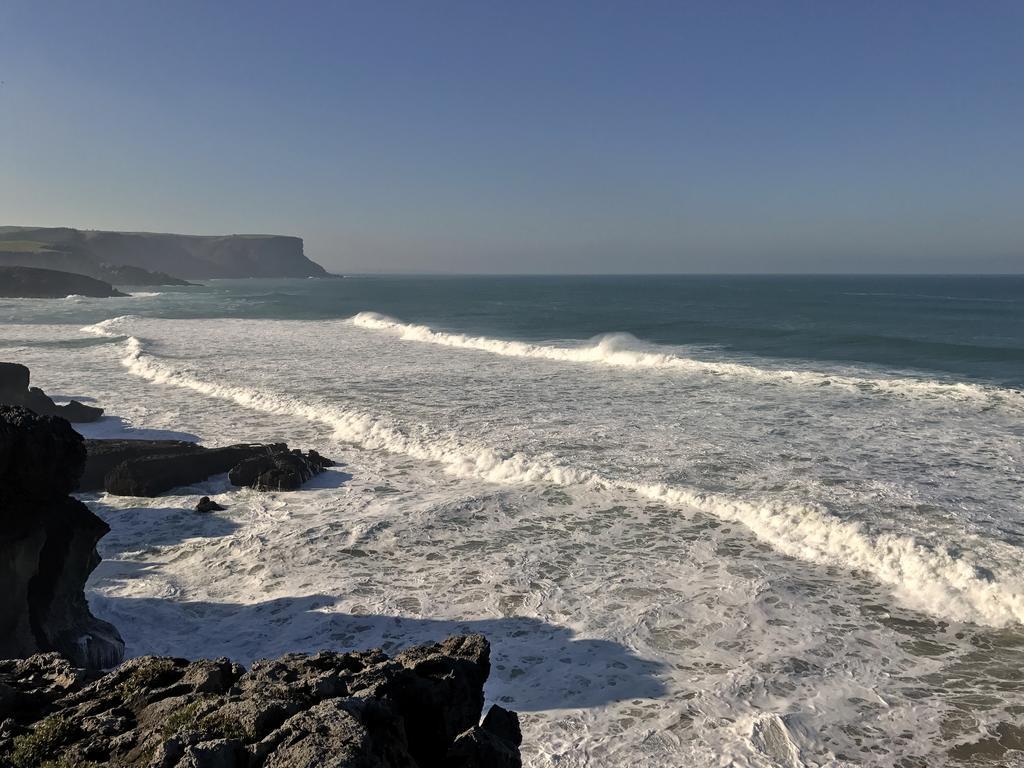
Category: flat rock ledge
[419,709]
[152,467]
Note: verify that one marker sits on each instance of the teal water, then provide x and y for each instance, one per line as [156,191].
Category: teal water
[971,327]
[750,521]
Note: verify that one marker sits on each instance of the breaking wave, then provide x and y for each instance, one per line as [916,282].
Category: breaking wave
[926,578]
[614,349]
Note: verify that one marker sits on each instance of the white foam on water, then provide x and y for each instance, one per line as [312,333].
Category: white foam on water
[927,578]
[612,349]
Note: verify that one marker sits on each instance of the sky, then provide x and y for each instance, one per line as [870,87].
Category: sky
[529,137]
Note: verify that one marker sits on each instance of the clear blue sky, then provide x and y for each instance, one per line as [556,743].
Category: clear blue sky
[529,136]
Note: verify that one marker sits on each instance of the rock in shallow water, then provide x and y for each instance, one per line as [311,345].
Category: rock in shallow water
[47,545]
[207,505]
[420,708]
[156,473]
[151,467]
[280,470]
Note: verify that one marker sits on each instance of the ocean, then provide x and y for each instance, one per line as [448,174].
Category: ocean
[704,521]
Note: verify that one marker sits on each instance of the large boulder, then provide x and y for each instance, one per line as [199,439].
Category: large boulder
[420,709]
[15,390]
[47,545]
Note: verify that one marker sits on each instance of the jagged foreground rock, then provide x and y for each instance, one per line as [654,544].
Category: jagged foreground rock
[355,710]
[47,545]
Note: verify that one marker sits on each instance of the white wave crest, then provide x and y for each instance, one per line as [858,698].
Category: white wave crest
[925,578]
[613,349]
[145,294]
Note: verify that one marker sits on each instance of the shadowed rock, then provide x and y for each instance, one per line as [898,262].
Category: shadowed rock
[279,470]
[15,390]
[362,709]
[102,456]
[206,505]
[152,467]
[47,544]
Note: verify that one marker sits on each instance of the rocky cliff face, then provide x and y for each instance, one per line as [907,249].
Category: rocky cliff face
[355,710]
[184,256]
[47,545]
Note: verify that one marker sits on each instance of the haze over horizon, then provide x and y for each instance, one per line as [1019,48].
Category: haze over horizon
[530,138]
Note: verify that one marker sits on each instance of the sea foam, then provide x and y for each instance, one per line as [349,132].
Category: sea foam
[928,578]
[613,349]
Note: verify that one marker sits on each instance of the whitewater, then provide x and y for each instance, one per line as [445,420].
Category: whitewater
[775,526]
[926,577]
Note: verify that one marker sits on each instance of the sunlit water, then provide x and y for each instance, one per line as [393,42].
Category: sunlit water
[703,521]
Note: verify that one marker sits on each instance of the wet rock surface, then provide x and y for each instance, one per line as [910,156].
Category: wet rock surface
[420,708]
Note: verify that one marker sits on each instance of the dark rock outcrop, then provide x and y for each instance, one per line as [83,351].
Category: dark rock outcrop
[494,743]
[102,456]
[15,390]
[207,505]
[156,474]
[186,256]
[14,379]
[152,467]
[419,709]
[47,545]
[279,470]
[35,283]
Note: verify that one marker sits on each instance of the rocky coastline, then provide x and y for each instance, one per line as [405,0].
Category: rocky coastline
[68,701]
[20,282]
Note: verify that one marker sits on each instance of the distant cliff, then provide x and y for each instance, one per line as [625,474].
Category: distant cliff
[98,253]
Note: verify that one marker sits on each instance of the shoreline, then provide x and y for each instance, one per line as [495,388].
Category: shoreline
[426,704]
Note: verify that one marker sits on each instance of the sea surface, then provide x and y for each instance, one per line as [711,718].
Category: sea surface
[704,521]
